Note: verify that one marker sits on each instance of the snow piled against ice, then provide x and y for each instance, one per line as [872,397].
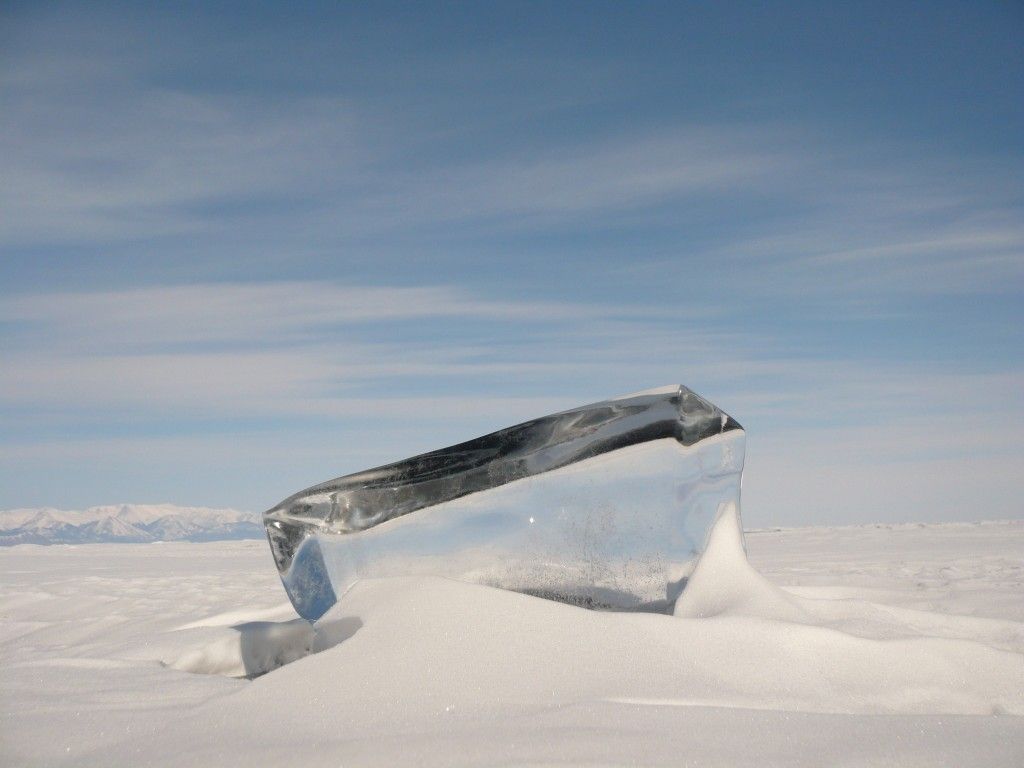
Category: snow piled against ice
[863,646]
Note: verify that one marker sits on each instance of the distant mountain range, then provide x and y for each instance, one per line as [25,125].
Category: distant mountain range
[126,523]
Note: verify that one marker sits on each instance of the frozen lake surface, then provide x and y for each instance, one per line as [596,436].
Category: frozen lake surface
[885,645]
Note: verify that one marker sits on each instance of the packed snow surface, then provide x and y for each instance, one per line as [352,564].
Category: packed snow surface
[837,646]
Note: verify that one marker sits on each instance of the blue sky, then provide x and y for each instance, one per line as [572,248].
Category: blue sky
[245,248]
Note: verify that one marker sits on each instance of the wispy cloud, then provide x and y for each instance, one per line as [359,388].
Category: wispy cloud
[268,313]
[281,347]
[591,177]
[214,259]
[105,157]
[167,163]
[149,163]
[916,257]
[323,348]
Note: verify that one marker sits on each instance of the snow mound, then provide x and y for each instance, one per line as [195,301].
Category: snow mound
[736,640]
[101,645]
[724,582]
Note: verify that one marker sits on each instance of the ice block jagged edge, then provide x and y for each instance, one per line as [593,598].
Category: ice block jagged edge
[362,500]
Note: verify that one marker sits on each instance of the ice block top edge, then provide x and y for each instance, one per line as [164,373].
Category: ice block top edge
[365,499]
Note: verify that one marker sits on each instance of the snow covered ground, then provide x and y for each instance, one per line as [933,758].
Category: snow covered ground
[884,646]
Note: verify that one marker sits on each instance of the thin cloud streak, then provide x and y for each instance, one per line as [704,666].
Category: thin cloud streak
[136,352]
[592,178]
[365,245]
[267,313]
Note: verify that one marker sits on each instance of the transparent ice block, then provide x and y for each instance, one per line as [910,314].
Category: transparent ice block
[607,506]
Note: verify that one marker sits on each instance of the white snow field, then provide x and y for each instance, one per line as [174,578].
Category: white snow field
[863,646]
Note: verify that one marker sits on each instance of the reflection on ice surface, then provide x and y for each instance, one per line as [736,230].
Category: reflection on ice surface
[605,506]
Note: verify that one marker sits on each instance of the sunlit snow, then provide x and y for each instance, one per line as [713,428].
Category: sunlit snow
[868,645]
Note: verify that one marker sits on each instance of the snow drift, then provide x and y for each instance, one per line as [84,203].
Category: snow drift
[857,664]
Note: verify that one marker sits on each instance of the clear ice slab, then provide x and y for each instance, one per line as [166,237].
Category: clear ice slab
[606,506]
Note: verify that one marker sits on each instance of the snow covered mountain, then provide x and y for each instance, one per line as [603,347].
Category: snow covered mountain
[126,523]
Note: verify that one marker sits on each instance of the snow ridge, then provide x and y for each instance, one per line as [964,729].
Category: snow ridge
[128,523]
